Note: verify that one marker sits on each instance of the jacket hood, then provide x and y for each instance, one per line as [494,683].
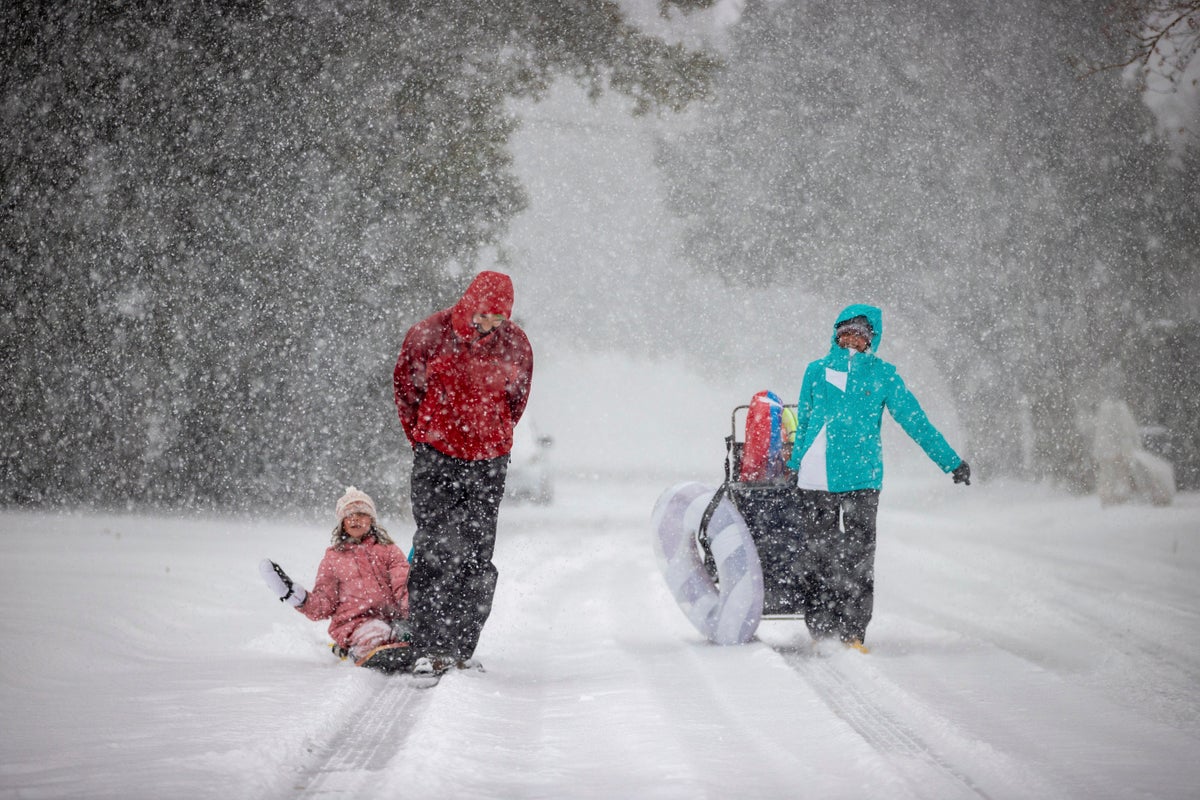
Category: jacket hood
[873,315]
[489,293]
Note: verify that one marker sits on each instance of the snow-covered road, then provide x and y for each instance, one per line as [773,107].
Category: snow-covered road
[1025,644]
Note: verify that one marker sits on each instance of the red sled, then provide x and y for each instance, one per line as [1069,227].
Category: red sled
[762,452]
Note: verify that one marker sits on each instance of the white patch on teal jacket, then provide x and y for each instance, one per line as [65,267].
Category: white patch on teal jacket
[840,415]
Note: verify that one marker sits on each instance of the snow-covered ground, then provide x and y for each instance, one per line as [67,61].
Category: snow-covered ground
[1026,644]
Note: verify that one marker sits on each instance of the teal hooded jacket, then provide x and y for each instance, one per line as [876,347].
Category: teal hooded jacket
[840,413]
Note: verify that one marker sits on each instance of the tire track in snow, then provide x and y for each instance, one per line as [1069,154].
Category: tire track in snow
[1136,625]
[1085,616]
[891,738]
[1155,664]
[369,739]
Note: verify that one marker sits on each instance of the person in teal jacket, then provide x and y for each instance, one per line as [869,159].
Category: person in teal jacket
[837,455]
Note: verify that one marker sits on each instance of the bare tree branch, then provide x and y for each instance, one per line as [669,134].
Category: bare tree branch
[1166,30]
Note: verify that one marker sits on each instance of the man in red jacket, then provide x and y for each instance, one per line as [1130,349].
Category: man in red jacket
[461,384]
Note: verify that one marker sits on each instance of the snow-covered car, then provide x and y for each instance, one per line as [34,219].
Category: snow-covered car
[529,470]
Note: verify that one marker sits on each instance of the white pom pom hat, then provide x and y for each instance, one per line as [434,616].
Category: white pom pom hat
[355,501]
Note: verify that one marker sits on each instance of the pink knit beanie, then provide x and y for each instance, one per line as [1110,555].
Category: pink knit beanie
[355,502]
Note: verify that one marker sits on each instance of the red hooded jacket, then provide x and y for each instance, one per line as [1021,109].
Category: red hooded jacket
[457,390]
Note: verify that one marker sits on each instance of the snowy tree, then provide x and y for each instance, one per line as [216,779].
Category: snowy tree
[943,160]
[219,220]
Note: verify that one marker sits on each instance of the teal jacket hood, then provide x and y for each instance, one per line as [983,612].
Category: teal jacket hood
[873,315]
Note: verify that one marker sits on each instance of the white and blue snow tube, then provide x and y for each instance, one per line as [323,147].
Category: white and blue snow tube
[726,615]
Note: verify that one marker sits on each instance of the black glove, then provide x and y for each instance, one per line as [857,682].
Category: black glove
[278,582]
[962,473]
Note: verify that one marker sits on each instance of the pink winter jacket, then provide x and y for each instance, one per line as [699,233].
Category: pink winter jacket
[359,581]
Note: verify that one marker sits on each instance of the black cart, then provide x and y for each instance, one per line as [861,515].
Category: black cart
[772,512]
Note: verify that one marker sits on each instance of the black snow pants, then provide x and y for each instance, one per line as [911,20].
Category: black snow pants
[838,574]
[452,581]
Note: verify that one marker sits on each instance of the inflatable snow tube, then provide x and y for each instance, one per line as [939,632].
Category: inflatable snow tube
[726,615]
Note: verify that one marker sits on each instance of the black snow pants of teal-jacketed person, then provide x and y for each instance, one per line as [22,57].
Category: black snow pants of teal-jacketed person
[838,566]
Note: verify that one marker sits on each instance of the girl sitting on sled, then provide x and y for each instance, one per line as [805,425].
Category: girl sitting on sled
[362,582]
